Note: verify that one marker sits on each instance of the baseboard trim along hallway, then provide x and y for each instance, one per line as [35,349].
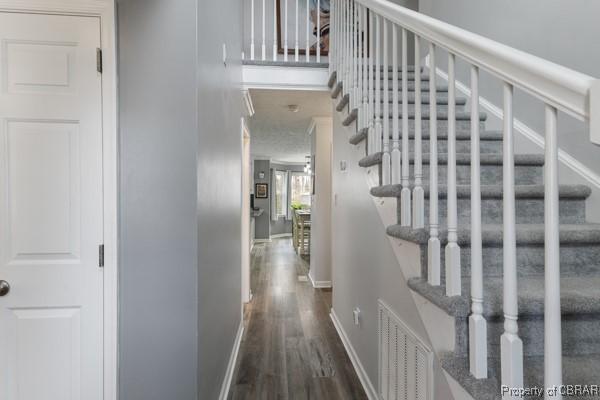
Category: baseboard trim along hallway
[226,385]
[319,284]
[358,367]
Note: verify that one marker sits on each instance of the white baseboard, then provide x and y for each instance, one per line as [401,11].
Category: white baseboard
[261,241]
[319,284]
[281,235]
[360,371]
[232,361]
[527,132]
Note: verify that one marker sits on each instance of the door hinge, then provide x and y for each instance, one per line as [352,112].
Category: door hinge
[99,60]
[101,255]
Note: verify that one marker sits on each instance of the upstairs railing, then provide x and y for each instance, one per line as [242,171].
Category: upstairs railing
[361,48]
[286,30]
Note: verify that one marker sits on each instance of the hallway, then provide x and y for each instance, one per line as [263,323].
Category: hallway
[290,348]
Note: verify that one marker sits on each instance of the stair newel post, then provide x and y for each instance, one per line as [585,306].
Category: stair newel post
[405,219]
[433,245]
[552,313]
[285,33]
[511,346]
[453,272]
[378,128]
[371,146]
[477,323]
[264,31]
[396,157]
[418,195]
[385,158]
[365,67]
[252,30]
[297,42]
[307,31]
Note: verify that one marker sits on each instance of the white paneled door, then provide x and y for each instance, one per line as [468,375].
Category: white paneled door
[50,208]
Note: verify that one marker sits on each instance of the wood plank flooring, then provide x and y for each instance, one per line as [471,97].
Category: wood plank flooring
[290,348]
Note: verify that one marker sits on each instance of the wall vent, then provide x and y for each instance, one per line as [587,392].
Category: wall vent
[405,363]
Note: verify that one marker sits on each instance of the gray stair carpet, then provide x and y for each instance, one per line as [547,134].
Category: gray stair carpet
[579,252]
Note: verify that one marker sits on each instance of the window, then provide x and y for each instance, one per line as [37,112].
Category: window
[281,194]
[301,188]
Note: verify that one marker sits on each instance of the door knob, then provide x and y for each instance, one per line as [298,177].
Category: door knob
[4,288]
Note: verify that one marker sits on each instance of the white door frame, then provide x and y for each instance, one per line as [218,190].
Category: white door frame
[105,10]
[246,184]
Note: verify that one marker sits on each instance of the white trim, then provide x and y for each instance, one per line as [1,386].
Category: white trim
[281,235]
[284,78]
[319,284]
[104,9]
[261,241]
[232,361]
[248,105]
[526,131]
[358,367]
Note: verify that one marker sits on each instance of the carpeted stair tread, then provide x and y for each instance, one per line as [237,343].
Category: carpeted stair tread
[441,115]
[490,191]
[440,100]
[579,295]
[332,79]
[577,370]
[530,234]
[336,90]
[462,159]
[358,137]
[460,135]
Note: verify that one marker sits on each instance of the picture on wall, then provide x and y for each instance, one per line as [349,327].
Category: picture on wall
[261,190]
[318,16]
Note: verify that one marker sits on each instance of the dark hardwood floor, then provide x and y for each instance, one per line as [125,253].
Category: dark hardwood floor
[290,348]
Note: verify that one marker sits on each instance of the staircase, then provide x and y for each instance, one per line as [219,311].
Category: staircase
[515,299]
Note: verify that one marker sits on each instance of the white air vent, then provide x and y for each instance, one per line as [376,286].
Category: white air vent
[405,363]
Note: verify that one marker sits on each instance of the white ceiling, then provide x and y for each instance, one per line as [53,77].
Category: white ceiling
[281,135]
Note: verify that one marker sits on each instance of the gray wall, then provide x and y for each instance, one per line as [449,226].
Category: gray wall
[180,196]
[158,238]
[219,189]
[363,274]
[262,223]
[565,32]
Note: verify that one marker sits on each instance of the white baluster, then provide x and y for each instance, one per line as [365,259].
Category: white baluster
[307,30]
[378,128]
[453,272]
[359,90]
[319,30]
[274,30]
[418,209]
[396,156]
[386,158]
[252,30]
[297,44]
[285,24]
[371,146]
[477,323]
[264,34]
[511,346]
[552,313]
[355,96]
[433,245]
[405,219]
[365,94]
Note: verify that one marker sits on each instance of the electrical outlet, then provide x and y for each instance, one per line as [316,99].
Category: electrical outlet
[356,314]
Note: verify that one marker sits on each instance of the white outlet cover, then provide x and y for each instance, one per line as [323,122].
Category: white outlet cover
[356,314]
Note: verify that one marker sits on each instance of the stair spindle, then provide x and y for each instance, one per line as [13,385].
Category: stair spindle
[477,323]
[433,244]
[252,30]
[365,60]
[511,346]
[378,128]
[552,313]
[418,195]
[318,48]
[264,32]
[396,157]
[274,30]
[385,158]
[405,219]
[307,30]
[358,58]
[297,44]
[453,272]
[371,146]
[285,24]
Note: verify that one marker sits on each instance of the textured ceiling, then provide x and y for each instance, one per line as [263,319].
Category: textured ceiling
[281,135]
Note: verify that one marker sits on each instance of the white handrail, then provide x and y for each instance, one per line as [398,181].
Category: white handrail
[564,88]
